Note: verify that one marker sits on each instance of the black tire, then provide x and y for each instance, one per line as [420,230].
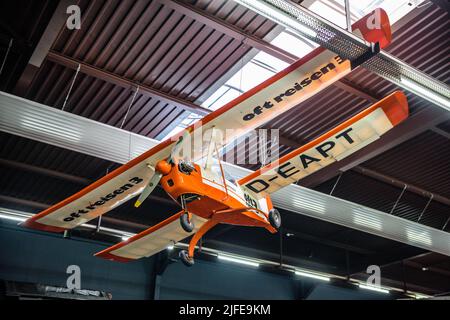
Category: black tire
[184,257]
[187,225]
[275,218]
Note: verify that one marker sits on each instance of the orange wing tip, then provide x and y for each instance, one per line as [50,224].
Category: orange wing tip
[395,106]
[375,27]
[32,224]
[109,256]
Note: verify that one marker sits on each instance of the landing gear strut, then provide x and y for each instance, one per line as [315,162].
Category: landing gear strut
[187,257]
[186,218]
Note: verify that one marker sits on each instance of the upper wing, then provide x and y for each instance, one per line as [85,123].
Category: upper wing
[345,139]
[150,241]
[284,90]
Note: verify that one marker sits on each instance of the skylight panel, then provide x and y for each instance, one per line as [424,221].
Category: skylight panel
[230,94]
[275,63]
[250,76]
[292,44]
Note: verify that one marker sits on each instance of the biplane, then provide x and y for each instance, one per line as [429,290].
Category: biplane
[192,174]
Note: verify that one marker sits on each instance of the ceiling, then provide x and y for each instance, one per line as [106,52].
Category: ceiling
[178,53]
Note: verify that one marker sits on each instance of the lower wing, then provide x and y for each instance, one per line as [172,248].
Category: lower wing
[345,139]
[150,241]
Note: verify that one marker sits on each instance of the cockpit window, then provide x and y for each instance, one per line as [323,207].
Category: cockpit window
[215,169]
[229,177]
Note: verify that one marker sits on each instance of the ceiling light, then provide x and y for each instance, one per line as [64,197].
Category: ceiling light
[237,260]
[372,288]
[311,275]
[13,218]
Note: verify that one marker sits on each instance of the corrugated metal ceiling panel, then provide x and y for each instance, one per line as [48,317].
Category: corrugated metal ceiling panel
[148,42]
[423,161]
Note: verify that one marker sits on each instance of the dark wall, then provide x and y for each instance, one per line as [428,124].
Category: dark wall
[329,292]
[29,256]
[222,280]
[36,257]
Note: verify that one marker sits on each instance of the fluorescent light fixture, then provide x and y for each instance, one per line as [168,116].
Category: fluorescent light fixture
[237,260]
[367,221]
[413,87]
[170,248]
[372,288]
[12,218]
[419,236]
[311,275]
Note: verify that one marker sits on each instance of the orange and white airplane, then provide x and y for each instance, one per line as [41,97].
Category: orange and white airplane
[199,184]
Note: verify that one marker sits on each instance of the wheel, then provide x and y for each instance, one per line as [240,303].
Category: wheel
[187,225]
[275,218]
[184,256]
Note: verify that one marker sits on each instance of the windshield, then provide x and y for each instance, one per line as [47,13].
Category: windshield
[215,169]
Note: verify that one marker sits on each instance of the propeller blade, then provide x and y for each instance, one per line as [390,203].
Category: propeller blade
[175,153]
[148,188]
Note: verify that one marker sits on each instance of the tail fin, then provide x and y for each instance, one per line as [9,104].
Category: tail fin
[374,27]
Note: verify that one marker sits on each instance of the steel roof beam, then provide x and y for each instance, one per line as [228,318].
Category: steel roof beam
[441,132]
[400,184]
[123,82]
[23,202]
[43,47]
[229,29]
[44,171]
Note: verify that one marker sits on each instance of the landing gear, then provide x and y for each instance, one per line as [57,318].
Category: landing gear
[186,218]
[184,257]
[275,218]
[186,222]
[187,257]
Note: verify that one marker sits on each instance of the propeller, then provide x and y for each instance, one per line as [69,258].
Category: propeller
[175,153]
[154,180]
